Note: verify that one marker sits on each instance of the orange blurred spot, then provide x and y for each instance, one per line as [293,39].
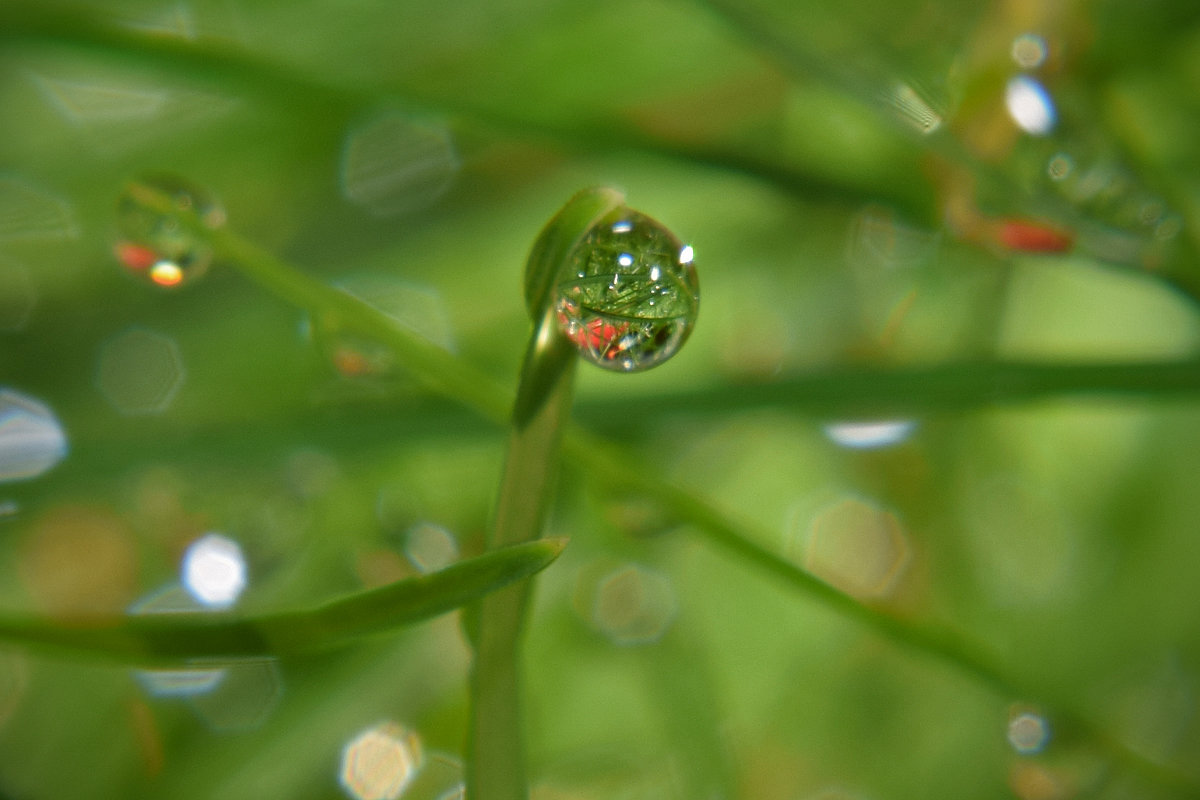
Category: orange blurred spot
[135,256]
[80,560]
[1032,237]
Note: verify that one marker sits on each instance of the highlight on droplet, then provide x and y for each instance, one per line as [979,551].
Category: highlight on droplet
[214,570]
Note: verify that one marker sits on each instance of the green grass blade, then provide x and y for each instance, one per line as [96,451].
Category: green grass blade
[175,638]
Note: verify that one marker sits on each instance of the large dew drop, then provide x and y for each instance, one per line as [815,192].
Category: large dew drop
[156,246]
[630,295]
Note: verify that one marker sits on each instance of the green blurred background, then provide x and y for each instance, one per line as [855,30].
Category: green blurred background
[858,193]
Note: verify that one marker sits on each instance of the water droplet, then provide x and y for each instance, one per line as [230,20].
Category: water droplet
[157,247]
[634,295]
[31,439]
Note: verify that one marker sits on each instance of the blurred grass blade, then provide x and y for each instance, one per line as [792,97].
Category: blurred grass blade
[174,638]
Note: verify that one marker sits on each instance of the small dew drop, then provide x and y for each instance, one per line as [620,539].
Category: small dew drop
[633,297]
[155,246]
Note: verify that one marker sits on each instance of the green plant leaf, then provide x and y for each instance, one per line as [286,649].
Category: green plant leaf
[175,638]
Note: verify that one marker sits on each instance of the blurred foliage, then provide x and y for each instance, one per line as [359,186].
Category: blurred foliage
[838,226]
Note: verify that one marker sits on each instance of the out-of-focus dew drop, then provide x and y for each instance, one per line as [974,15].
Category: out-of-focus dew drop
[430,547]
[214,571]
[394,165]
[18,296]
[1029,51]
[631,604]
[855,546]
[243,699]
[158,247]
[1060,167]
[29,212]
[381,762]
[79,559]
[32,441]
[870,435]
[139,371]
[1028,731]
[1030,105]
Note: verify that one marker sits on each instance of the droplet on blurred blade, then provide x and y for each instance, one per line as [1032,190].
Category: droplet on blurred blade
[32,440]
[380,762]
[1030,106]
[157,246]
[214,570]
[631,294]
[394,165]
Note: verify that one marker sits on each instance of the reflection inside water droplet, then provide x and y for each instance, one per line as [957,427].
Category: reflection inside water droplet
[158,247]
[633,296]
[31,439]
